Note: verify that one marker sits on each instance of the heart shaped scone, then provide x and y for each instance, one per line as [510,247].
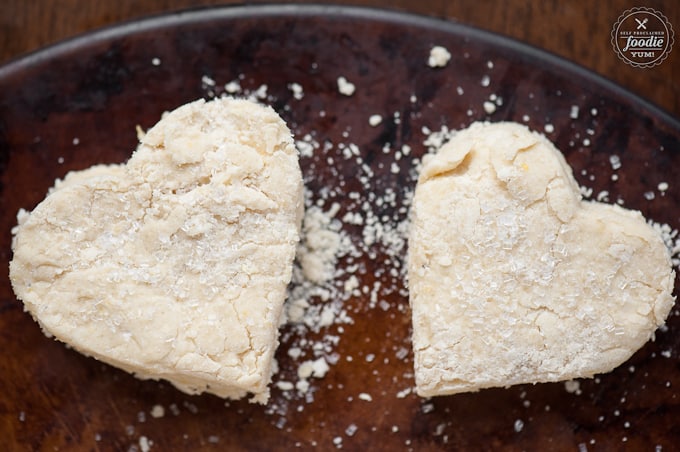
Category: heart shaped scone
[174,265]
[513,278]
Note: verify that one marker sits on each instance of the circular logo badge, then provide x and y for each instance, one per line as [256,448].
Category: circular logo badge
[642,37]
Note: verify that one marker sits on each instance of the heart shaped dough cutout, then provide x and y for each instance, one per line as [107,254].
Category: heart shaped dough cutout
[175,264]
[514,279]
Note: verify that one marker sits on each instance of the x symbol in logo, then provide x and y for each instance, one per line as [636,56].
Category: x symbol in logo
[641,23]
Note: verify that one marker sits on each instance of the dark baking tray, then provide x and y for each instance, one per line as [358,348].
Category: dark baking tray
[77,103]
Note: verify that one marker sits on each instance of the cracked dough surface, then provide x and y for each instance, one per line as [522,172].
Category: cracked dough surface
[514,279]
[174,265]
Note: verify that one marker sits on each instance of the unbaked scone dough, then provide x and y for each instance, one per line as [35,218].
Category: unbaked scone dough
[514,279]
[174,265]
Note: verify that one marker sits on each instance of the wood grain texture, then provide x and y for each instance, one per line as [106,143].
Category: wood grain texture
[576,30]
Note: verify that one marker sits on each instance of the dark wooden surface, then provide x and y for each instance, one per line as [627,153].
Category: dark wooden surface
[577,30]
[52,398]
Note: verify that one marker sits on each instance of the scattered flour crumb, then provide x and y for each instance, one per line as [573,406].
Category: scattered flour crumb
[489,107]
[403,393]
[375,120]
[233,87]
[519,425]
[573,387]
[207,81]
[439,57]
[145,444]
[671,239]
[573,112]
[345,87]
[603,196]
[435,140]
[308,369]
[174,409]
[157,411]
[285,385]
[365,397]
[297,90]
[318,252]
